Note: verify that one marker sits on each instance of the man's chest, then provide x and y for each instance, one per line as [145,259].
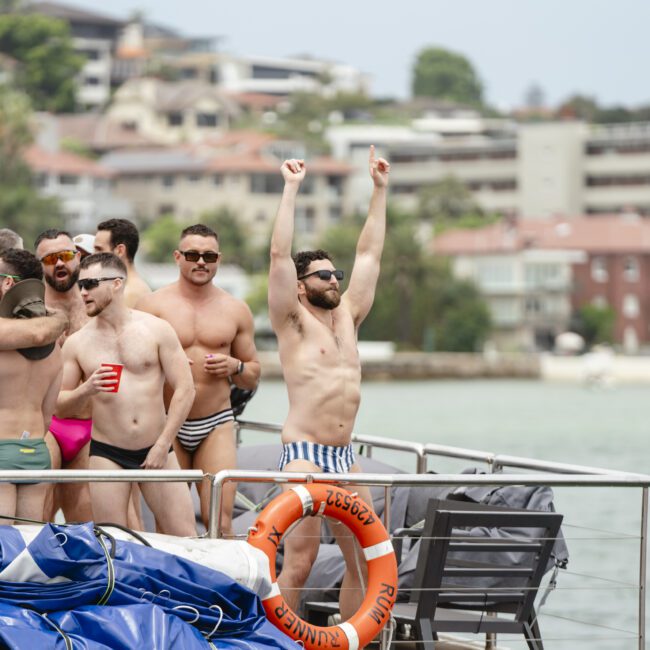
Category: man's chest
[137,352]
[209,327]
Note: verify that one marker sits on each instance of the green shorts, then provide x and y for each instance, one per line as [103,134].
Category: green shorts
[24,454]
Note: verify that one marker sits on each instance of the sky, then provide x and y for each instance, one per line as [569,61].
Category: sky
[594,47]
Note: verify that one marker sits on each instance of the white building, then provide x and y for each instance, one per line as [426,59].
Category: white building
[535,170]
[284,76]
[84,187]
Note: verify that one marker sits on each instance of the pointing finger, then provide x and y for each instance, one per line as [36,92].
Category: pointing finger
[372,155]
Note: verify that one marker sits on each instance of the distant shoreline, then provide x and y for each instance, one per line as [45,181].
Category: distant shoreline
[598,370]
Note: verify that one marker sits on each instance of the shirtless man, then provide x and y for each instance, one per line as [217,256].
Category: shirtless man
[216,332]
[317,331]
[130,427]
[27,399]
[9,239]
[60,260]
[121,237]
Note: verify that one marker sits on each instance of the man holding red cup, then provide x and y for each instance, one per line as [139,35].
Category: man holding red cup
[119,363]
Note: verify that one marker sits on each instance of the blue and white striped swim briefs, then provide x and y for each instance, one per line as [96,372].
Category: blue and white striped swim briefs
[329,458]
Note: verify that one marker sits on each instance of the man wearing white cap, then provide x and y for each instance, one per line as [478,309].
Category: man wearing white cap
[84,243]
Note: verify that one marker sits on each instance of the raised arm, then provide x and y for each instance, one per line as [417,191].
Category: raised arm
[283,296]
[179,377]
[17,333]
[365,272]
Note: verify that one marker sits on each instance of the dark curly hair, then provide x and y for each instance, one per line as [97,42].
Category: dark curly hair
[16,261]
[303,259]
[106,261]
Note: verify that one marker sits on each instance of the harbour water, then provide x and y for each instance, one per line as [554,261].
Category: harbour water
[562,422]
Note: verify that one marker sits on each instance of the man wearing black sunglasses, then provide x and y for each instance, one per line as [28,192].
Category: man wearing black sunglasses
[317,329]
[216,331]
[131,428]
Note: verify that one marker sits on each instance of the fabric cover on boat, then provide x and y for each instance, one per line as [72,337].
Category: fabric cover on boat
[120,594]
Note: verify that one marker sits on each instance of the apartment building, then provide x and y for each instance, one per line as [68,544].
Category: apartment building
[84,187]
[241,171]
[534,170]
[536,273]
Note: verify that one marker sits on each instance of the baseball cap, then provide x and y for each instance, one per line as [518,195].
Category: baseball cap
[84,243]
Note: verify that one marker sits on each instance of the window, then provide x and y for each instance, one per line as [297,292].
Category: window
[209,120]
[166,208]
[305,220]
[599,301]
[260,217]
[266,184]
[68,179]
[90,54]
[630,306]
[167,180]
[175,119]
[92,81]
[599,269]
[193,178]
[631,269]
[217,179]
[335,213]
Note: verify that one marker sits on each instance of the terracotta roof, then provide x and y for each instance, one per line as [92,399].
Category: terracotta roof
[63,162]
[596,234]
[98,132]
[268,164]
[73,14]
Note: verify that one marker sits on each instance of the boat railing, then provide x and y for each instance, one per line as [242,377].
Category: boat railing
[547,473]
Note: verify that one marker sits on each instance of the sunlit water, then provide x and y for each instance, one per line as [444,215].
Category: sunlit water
[556,422]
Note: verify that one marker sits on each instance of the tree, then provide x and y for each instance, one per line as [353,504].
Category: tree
[234,240]
[579,107]
[48,64]
[21,207]
[446,201]
[596,324]
[446,75]
[160,239]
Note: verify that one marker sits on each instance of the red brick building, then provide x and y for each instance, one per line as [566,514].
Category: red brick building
[608,258]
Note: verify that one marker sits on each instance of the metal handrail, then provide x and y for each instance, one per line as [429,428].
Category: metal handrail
[494,460]
[101,475]
[627,480]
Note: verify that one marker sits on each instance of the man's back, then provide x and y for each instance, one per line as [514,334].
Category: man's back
[28,390]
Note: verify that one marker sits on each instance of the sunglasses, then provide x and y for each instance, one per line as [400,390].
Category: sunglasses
[325,274]
[210,257]
[92,283]
[8,275]
[53,258]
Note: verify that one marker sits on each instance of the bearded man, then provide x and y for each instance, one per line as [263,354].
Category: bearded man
[317,328]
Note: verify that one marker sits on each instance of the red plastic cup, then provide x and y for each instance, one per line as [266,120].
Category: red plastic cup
[117,368]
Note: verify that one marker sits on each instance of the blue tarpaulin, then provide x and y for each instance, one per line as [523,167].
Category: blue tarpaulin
[76,587]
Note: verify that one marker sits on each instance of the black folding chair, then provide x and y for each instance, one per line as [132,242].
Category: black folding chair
[449,595]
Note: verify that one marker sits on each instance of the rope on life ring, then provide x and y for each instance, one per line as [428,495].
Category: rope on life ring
[332,501]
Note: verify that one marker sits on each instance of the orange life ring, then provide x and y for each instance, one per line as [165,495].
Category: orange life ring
[374,612]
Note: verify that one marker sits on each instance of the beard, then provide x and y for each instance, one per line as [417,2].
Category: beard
[328,299]
[63,285]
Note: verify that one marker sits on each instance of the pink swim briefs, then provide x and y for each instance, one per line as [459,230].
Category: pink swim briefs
[71,434]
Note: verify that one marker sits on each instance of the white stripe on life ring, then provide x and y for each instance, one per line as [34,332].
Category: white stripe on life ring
[351,633]
[273,591]
[378,550]
[305,498]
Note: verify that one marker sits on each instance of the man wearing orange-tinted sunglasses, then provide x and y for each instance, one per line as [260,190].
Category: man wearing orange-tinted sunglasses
[60,261]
